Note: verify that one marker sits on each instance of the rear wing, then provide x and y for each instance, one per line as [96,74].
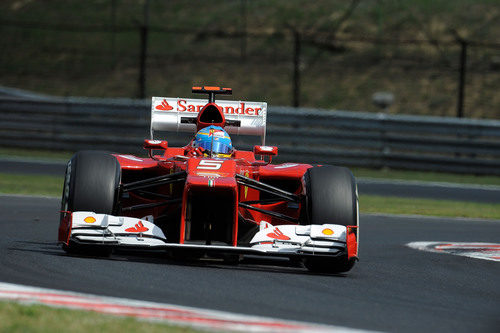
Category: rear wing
[179,115]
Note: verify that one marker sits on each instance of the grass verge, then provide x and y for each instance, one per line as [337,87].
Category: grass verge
[38,154]
[52,186]
[426,176]
[40,318]
[429,207]
[31,184]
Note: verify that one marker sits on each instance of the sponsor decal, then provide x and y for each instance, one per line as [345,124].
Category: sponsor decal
[164,106]
[278,234]
[89,219]
[216,133]
[210,164]
[241,108]
[327,232]
[139,227]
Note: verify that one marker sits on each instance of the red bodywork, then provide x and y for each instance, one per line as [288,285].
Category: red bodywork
[208,200]
[203,200]
[214,180]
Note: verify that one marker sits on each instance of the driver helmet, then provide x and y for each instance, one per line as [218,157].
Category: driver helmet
[215,140]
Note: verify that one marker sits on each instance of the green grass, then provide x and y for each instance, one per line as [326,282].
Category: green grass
[31,184]
[50,155]
[426,176]
[43,319]
[428,207]
[423,77]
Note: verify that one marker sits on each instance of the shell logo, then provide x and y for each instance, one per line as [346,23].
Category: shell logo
[327,232]
[89,219]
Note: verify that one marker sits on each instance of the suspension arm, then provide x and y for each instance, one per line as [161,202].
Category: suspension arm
[275,214]
[252,183]
[155,181]
[151,205]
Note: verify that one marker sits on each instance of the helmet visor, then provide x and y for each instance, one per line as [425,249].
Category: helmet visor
[217,147]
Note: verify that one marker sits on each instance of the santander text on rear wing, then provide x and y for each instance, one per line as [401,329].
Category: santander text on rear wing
[179,115]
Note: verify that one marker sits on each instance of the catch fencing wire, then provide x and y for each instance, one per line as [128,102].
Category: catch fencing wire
[294,65]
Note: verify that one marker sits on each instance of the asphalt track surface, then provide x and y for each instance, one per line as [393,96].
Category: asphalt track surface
[443,191]
[392,288]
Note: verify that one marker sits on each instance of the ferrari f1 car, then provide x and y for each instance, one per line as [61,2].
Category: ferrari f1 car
[194,203]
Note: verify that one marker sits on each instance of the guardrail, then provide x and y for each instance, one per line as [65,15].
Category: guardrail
[302,135]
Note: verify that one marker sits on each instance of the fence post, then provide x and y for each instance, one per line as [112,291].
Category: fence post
[144,49]
[113,32]
[142,61]
[296,69]
[243,42]
[461,82]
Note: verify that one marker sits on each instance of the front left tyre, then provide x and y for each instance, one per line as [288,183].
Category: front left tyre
[91,183]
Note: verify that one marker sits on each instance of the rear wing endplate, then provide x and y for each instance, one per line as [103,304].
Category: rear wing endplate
[179,115]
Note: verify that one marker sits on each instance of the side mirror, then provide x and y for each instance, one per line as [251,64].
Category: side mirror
[265,150]
[155,144]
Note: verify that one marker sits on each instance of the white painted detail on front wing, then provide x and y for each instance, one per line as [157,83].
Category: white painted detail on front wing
[119,230]
[300,234]
[126,241]
[328,238]
[89,227]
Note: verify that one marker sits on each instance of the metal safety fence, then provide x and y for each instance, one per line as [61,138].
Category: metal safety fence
[314,136]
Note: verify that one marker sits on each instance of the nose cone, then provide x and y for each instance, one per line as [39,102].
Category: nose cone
[207,172]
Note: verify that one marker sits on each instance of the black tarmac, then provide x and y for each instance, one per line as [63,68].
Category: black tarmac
[392,288]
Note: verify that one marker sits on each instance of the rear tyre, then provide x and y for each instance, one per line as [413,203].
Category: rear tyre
[331,197]
[91,184]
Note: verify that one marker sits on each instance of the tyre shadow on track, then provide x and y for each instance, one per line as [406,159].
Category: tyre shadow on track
[257,264]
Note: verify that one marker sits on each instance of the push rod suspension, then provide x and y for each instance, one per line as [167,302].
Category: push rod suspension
[252,183]
[263,202]
[155,181]
[151,205]
[159,195]
[278,215]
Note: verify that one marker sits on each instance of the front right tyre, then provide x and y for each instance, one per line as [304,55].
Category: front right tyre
[331,197]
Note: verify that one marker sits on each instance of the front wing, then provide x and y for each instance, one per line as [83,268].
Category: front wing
[327,240]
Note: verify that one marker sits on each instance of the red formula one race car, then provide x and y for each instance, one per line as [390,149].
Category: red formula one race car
[207,198]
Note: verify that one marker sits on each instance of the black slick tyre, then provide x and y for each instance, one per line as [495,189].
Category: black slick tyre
[91,183]
[331,197]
